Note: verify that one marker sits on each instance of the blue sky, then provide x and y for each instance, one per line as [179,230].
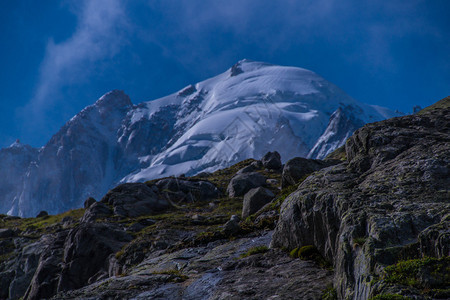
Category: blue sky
[59,56]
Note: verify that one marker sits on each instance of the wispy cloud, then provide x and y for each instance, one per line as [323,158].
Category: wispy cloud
[273,26]
[99,35]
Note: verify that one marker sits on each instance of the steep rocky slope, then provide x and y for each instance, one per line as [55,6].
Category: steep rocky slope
[171,238]
[250,109]
[371,221]
[389,201]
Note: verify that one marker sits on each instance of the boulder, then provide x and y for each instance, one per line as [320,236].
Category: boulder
[6,233]
[21,268]
[242,183]
[134,200]
[255,199]
[96,211]
[46,277]
[86,252]
[248,169]
[71,259]
[141,224]
[232,226]
[89,201]
[272,161]
[298,167]
[180,190]
[257,164]
[41,214]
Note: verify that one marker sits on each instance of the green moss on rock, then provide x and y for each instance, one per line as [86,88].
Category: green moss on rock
[425,273]
[389,297]
[255,250]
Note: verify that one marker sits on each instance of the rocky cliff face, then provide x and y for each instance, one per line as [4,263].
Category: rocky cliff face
[389,201]
[16,162]
[81,160]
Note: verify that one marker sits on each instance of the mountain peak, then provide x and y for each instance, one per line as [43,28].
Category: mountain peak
[17,143]
[246,65]
[114,98]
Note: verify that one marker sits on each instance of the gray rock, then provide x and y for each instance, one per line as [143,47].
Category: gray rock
[141,225]
[272,275]
[89,201]
[232,226]
[86,251]
[272,160]
[248,169]
[273,182]
[242,183]
[72,259]
[388,202]
[67,222]
[41,214]
[298,167]
[257,164]
[255,199]
[96,211]
[6,233]
[203,174]
[180,190]
[45,279]
[134,200]
[16,274]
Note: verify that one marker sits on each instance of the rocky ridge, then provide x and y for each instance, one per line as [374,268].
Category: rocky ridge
[371,221]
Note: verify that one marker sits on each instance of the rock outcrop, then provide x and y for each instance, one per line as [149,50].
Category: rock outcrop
[272,160]
[185,191]
[242,183]
[389,201]
[297,168]
[255,199]
[134,199]
[74,258]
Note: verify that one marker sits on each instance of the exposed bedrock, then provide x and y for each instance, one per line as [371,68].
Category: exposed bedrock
[389,201]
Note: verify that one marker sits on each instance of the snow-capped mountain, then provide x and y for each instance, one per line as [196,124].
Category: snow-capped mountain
[250,109]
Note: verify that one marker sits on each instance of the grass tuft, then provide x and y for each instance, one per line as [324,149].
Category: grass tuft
[255,250]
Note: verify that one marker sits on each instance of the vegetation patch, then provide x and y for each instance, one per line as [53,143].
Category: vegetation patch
[359,241]
[7,256]
[35,227]
[442,104]
[174,275]
[310,252]
[338,154]
[255,250]
[329,293]
[389,297]
[221,178]
[425,273]
[284,194]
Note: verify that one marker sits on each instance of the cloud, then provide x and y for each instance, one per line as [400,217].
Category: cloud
[100,34]
[192,29]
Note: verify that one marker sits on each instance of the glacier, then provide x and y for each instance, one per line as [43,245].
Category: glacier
[248,110]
